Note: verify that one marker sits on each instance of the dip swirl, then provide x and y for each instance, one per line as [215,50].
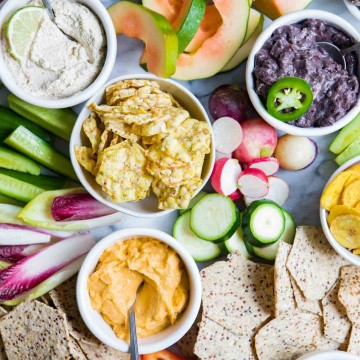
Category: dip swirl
[54,66]
[120,271]
[291,51]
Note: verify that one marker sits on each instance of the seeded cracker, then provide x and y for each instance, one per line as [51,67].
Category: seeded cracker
[287,337]
[238,294]
[349,292]
[323,343]
[354,343]
[216,342]
[336,323]
[33,331]
[283,292]
[313,263]
[2,347]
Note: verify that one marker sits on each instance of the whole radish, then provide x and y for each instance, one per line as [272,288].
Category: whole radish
[259,140]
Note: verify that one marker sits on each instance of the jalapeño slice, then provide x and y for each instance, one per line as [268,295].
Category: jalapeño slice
[289,98]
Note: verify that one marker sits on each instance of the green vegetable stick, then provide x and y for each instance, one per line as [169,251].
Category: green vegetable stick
[58,121]
[31,145]
[10,201]
[10,159]
[350,152]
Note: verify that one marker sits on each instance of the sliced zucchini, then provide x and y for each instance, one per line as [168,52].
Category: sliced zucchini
[199,249]
[194,201]
[215,218]
[290,228]
[236,243]
[268,252]
[263,223]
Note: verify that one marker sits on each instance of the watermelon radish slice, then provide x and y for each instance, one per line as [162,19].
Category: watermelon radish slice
[28,273]
[253,183]
[160,39]
[217,50]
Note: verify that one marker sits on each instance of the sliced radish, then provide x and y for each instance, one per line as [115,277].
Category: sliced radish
[228,134]
[220,155]
[278,192]
[253,183]
[18,252]
[16,235]
[236,195]
[224,176]
[268,165]
[28,273]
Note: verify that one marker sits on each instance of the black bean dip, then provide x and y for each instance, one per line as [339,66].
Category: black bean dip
[292,51]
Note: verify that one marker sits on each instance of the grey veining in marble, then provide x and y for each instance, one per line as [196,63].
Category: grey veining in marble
[305,185]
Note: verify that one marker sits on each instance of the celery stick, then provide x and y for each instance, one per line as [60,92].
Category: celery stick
[31,145]
[58,121]
[17,189]
[350,152]
[12,160]
[42,181]
[10,201]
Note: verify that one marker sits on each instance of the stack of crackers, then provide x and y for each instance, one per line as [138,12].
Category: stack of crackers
[310,300]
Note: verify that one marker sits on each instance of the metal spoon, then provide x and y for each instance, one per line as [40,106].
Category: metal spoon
[133,348]
[337,54]
[50,10]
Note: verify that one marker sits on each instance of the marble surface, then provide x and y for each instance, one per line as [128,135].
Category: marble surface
[305,185]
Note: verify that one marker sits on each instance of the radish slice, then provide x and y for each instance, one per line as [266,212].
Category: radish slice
[224,176]
[253,183]
[236,195]
[278,192]
[228,134]
[15,235]
[220,155]
[28,273]
[18,252]
[268,165]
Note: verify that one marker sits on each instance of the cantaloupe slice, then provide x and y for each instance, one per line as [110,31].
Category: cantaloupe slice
[154,29]
[217,50]
[276,8]
[256,22]
[168,8]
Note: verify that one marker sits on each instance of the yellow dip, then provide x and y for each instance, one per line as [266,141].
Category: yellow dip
[119,273]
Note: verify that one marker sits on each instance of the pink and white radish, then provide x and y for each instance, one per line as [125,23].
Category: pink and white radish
[268,165]
[236,195]
[224,176]
[278,192]
[220,155]
[295,152]
[228,134]
[259,140]
[18,252]
[28,273]
[253,183]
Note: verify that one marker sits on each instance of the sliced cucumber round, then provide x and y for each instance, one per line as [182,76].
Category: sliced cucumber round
[290,228]
[199,249]
[263,223]
[215,218]
[236,243]
[194,201]
[268,252]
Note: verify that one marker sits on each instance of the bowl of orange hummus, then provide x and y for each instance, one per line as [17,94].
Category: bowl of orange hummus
[170,289]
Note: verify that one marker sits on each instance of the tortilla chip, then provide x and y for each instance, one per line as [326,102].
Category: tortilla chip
[304,304]
[341,210]
[105,140]
[349,292]
[238,294]
[283,292]
[92,131]
[34,330]
[216,342]
[336,323]
[188,341]
[118,127]
[85,158]
[351,194]
[64,298]
[313,263]
[354,342]
[287,337]
[346,231]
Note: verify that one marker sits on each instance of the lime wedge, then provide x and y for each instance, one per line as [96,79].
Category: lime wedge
[22,28]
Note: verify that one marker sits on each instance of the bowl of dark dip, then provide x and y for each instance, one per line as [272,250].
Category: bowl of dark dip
[288,48]
[354,7]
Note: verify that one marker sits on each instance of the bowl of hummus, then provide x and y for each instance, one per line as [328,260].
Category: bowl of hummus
[287,53]
[169,299]
[44,66]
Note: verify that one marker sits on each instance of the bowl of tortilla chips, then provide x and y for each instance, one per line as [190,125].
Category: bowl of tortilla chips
[143,145]
[340,210]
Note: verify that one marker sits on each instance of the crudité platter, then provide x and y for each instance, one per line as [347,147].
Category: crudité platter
[192,166]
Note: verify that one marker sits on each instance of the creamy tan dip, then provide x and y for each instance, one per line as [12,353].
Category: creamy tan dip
[55,66]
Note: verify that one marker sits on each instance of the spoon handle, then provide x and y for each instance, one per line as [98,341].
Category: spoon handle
[133,348]
[49,9]
[351,49]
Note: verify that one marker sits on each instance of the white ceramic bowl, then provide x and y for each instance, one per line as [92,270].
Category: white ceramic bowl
[355,11]
[329,355]
[347,254]
[148,206]
[294,18]
[100,11]
[97,324]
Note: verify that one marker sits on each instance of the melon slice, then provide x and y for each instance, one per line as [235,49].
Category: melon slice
[209,26]
[255,27]
[217,50]
[168,8]
[160,39]
[276,8]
